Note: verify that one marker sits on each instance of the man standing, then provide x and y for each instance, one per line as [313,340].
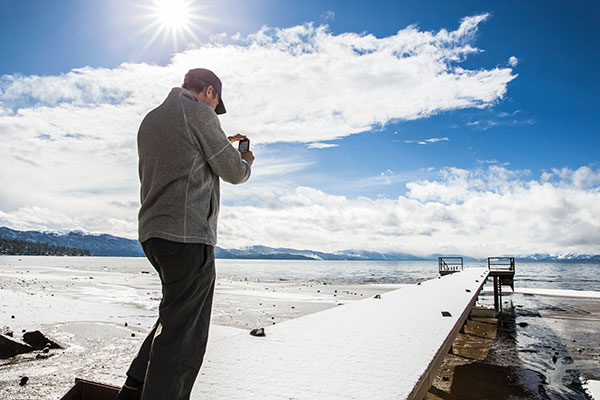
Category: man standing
[182,153]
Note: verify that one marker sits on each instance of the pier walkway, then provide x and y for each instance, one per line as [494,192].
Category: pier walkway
[377,348]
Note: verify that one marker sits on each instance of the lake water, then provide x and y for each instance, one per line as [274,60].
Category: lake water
[548,275]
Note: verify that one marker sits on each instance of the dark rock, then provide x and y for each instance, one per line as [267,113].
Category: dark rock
[23,381]
[38,340]
[377,296]
[554,359]
[43,356]
[259,332]
[132,334]
[5,330]
[445,379]
[523,324]
[125,323]
[10,347]
[12,316]
[46,349]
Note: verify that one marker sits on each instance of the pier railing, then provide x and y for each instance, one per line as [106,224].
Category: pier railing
[449,265]
[502,269]
[501,264]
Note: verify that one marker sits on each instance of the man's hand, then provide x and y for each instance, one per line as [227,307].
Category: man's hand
[248,156]
[236,138]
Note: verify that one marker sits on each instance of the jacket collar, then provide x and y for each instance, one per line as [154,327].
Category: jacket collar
[179,91]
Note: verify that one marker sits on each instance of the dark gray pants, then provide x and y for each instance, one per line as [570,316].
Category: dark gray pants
[170,357]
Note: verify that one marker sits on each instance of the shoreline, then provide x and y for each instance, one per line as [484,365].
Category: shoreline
[89,310]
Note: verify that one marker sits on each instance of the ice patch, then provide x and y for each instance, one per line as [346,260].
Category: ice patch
[560,292]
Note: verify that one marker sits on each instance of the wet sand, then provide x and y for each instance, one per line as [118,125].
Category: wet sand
[538,348]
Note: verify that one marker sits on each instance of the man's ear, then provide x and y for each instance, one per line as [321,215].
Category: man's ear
[211,92]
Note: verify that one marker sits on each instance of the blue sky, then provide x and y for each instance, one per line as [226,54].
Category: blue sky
[420,127]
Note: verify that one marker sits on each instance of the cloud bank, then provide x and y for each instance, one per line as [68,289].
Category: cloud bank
[483,212]
[300,84]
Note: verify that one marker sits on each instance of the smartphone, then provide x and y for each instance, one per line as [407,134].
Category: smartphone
[244,146]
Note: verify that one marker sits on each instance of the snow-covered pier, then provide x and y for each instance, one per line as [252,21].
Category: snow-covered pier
[378,348]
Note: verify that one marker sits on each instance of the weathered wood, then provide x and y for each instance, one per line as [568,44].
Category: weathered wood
[89,390]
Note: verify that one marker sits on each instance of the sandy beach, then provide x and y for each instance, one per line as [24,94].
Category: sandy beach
[102,315]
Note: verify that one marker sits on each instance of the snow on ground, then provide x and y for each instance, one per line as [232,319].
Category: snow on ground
[103,314]
[593,389]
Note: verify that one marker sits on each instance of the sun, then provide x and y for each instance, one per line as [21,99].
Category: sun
[173,14]
[176,20]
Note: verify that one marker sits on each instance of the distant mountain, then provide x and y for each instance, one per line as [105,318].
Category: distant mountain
[108,245]
[23,248]
[98,245]
[559,257]
[264,252]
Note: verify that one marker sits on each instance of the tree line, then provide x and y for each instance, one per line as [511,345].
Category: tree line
[23,248]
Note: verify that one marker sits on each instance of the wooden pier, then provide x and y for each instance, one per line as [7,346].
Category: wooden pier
[502,269]
[386,347]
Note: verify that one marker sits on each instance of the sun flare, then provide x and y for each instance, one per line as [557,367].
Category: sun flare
[173,19]
[173,14]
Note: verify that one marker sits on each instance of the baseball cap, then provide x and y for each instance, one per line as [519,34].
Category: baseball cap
[193,80]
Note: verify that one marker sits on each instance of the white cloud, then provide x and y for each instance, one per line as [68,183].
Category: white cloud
[500,119]
[513,61]
[297,84]
[328,16]
[494,161]
[387,177]
[321,145]
[480,212]
[428,141]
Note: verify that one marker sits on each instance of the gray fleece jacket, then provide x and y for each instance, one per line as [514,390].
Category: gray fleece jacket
[183,151]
